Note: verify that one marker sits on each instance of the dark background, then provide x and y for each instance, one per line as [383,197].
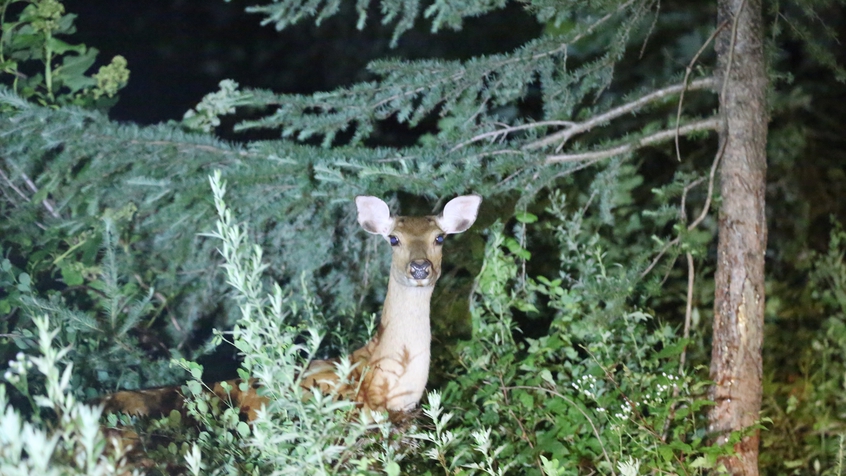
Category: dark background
[178,50]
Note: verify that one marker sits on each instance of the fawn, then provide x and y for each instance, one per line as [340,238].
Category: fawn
[393,366]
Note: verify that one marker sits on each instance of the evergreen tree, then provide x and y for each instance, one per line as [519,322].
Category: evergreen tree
[568,369]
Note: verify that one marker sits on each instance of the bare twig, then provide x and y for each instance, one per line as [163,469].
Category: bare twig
[687,72]
[701,216]
[19,192]
[688,312]
[710,195]
[687,189]
[651,30]
[565,135]
[656,138]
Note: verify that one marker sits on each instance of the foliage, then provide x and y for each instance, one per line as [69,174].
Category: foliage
[566,402]
[62,436]
[575,364]
[102,340]
[808,427]
[31,50]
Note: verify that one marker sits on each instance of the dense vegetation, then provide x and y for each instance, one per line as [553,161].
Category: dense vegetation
[136,256]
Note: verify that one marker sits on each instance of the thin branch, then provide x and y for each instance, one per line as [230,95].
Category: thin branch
[47,204]
[688,312]
[565,135]
[656,138]
[13,186]
[723,90]
[185,146]
[577,407]
[508,130]
[687,72]
[701,216]
[710,194]
[687,189]
[19,192]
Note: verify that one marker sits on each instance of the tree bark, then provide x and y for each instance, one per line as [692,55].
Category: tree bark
[739,280]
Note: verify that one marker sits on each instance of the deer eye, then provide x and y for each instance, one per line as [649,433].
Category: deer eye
[439,240]
[394,240]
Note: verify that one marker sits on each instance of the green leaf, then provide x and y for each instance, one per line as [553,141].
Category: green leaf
[526,217]
[174,418]
[701,462]
[72,71]
[526,399]
[195,387]
[673,350]
[392,469]
[71,276]
[61,47]
[243,429]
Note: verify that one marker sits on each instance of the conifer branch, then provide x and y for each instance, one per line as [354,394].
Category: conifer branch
[202,147]
[13,186]
[46,202]
[566,134]
[500,133]
[652,139]
[410,91]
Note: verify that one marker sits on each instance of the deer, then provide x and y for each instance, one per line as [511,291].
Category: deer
[393,367]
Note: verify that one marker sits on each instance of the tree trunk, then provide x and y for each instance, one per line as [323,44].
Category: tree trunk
[739,295]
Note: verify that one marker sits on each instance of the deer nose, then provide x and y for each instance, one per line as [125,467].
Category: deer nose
[420,268]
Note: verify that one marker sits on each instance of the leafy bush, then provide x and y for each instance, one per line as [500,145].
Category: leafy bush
[30,54]
[807,410]
[61,436]
[576,363]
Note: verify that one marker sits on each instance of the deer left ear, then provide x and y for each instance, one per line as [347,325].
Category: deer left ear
[459,213]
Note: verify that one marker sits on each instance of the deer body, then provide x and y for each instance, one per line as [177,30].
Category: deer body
[399,361]
[393,366]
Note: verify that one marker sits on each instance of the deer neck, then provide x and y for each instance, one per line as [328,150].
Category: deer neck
[400,351]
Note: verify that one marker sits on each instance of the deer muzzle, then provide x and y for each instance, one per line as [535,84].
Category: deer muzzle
[420,268]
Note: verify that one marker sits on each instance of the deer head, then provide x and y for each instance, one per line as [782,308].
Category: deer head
[416,241]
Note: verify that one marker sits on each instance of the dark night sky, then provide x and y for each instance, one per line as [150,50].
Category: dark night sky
[178,50]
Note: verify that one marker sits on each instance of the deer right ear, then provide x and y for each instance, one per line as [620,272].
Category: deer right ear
[374,215]
[459,213]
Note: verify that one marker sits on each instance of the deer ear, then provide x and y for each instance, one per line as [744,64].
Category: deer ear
[459,213]
[374,215]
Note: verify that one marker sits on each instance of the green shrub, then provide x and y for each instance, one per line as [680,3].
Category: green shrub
[59,435]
